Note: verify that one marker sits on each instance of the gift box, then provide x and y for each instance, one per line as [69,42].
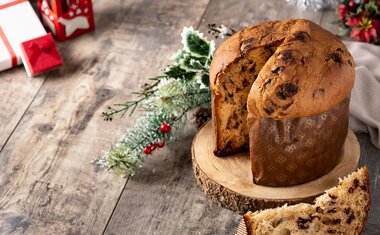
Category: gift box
[67,18]
[18,23]
[40,55]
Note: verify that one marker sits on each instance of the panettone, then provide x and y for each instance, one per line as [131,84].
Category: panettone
[340,210]
[291,80]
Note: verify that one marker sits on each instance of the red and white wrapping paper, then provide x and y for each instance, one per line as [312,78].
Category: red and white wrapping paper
[67,18]
[18,23]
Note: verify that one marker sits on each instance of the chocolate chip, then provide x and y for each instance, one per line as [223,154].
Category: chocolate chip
[351,190]
[247,48]
[319,209]
[340,50]
[236,125]
[286,90]
[248,40]
[350,218]
[331,231]
[347,210]
[363,187]
[333,210]
[243,68]
[267,82]
[356,183]
[245,82]
[318,93]
[278,70]
[280,94]
[301,222]
[302,36]
[286,56]
[224,86]
[336,221]
[268,110]
[230,95]
[335,57]
[252,69]
[332,196]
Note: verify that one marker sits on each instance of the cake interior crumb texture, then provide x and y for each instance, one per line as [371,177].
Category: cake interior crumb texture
[340,210]
[232,101]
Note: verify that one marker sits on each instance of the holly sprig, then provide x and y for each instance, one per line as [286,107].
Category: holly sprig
[183,86]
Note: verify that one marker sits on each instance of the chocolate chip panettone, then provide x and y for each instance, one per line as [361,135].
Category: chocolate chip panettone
[340,210]
[282,88]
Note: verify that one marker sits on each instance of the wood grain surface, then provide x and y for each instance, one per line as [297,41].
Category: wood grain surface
[51,128]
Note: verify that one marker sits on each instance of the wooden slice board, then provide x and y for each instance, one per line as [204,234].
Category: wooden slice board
[228,180]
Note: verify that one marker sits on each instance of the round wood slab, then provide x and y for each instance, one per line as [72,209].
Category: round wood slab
[228,180]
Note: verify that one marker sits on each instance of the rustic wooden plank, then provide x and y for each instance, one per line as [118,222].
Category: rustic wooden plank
[47,183]
[17,92]
[370,156]
[163,198]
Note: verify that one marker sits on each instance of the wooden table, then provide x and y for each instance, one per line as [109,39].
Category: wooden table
[51,128]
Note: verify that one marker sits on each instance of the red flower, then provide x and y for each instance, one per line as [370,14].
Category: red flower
[364,35]
[342,10]
[376,24]
[364,29]
[353,22]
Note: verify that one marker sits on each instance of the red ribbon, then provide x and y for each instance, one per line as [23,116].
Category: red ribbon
[9,4]
[9,48]
[37,49]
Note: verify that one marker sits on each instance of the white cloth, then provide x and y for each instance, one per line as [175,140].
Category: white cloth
[365,96]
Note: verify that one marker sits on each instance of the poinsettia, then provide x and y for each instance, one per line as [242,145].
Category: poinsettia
[363,29]
[342,10]
[360,19]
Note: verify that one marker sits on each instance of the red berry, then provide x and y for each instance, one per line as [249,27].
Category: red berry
[165,127]
[147,150]
[160,144]
[153,146]
[351,3]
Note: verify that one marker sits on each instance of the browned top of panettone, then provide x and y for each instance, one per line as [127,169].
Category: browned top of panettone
[310,72]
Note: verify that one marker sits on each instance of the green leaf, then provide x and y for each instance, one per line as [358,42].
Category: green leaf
[175,71]
[194,63]
[195,43]
[358,11]
[206,80]
[372,8]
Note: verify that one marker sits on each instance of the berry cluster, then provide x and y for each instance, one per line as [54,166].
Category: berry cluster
[164,128]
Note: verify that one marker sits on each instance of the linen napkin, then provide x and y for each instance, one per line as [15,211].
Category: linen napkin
[365,96]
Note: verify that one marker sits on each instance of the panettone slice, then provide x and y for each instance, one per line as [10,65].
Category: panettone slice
[342,209]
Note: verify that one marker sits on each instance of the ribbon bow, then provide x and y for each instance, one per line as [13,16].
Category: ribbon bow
[37,49]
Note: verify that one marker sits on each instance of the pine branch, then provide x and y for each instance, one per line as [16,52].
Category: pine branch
[183,87]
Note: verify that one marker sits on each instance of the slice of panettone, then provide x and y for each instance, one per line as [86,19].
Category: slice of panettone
[342,209]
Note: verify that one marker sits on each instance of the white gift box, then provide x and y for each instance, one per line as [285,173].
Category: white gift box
[18,23]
